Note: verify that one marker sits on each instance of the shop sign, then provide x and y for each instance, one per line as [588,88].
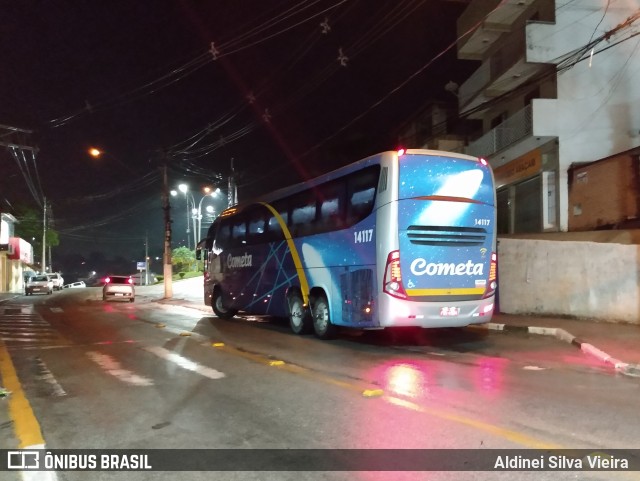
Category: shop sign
[518,169]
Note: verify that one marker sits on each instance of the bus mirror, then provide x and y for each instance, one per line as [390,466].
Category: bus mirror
[198,254]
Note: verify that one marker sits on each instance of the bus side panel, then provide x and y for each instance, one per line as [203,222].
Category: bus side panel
[255,279]
[342,264]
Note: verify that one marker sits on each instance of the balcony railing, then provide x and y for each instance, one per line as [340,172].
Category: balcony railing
[512,130]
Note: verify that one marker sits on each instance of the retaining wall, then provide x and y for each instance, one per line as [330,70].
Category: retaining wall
[573,278]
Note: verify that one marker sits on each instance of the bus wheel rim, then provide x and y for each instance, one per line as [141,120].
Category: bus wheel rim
[296,313]
[321,316]
[219,305]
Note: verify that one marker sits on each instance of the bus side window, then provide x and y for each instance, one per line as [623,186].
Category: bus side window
[331,206]
[303,214]
[256,225]
[272,226]
[239,231]
[223,236]
[361,194]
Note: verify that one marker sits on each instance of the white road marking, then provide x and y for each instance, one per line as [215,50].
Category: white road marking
[111,366]
[47,376]
[56,309]
[185,363]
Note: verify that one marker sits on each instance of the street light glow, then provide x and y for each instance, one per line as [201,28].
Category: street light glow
[183,188]
[93,152]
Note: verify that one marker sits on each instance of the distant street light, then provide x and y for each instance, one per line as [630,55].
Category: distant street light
[97,153]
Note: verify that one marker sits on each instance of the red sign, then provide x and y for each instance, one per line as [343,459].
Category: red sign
[20,249]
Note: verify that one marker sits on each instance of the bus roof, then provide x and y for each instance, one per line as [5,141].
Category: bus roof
[339,172]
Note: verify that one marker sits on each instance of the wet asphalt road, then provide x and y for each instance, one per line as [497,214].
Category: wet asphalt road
[159,375]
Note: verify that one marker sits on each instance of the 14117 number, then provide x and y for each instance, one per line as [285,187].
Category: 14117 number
[363,236]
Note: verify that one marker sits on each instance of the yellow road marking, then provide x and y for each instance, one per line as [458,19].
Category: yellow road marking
[508,434]
[368,392]
[25,424]
[446,292]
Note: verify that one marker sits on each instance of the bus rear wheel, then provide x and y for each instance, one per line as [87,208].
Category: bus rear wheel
[218,306]
[322,325]
[298,314]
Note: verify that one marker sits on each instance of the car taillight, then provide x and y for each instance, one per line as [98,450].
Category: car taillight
[130,280]
[492,281]
[107,280]
[392,283]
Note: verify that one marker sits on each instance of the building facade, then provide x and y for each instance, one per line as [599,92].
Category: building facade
[16,256]
[556,87]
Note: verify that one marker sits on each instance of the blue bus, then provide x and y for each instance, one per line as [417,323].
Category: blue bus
[404,238]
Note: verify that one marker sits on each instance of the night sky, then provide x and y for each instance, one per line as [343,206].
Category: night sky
[139,81]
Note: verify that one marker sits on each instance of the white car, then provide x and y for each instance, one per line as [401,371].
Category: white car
[75,285]
[118,287]
[38,284]
[57,280]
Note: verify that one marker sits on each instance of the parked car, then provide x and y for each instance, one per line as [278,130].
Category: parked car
[75,285]
[118,287]
[38,284]
[57,280]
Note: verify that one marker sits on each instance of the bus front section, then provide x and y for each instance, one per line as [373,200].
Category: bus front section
[441,267]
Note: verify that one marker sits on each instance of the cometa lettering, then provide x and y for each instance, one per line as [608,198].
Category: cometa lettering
[234,262]
[421,267]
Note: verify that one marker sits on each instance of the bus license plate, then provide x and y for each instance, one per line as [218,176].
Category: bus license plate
[449,311]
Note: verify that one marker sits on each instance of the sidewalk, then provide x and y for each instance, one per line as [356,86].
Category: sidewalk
[616,344]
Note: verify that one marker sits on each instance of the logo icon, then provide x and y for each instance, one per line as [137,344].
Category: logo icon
[23,460]
[483,251]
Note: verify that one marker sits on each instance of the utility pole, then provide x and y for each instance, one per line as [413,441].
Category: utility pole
[167,269]
[146,258]
[44,236]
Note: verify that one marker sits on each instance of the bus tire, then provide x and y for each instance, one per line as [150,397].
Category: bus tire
[322,325]
[298,314]
[218,306]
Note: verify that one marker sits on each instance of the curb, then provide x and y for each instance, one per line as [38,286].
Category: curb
[589,349]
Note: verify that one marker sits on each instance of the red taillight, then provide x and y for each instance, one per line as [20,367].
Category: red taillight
[130,280]
[393,276]
[401,152]
[492,281]
[107,280]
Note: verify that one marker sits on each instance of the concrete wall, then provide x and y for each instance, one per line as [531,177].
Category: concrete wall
[579,279]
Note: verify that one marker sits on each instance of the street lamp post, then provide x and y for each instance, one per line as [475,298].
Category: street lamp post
[184,188]
[198,211]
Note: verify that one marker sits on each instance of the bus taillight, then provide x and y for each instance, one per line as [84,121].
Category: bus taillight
[393,276]
[493,276]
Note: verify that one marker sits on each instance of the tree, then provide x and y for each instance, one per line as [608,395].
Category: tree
[29,227]
[182,258]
